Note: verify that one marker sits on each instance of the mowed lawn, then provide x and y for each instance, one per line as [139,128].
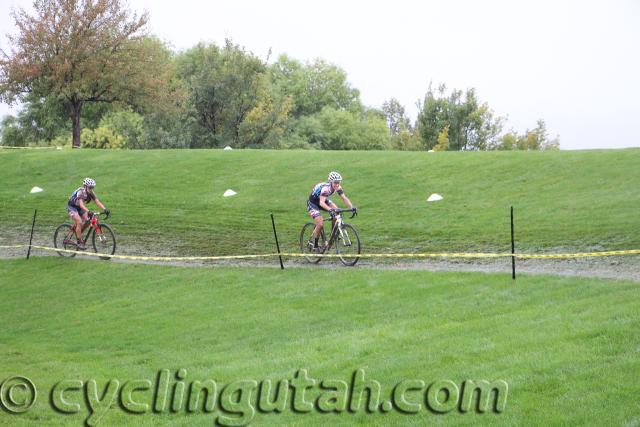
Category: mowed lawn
[170,202]
[568,348]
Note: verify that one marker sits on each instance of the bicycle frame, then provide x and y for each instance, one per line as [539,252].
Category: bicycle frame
[336,228]
[342,237]
[94,227]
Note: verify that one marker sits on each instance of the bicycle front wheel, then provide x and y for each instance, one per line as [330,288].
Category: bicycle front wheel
[347,245]
[307,242]
[65,238]
[104,242]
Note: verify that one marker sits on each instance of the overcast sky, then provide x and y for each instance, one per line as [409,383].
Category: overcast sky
[575,64]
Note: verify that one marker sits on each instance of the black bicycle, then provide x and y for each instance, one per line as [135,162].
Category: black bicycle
[103,239]
[343,239]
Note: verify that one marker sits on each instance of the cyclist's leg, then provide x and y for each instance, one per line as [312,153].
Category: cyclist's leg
[319,221]
[78,229]
[77,221]
[85,220]
[332,206]
[314,212]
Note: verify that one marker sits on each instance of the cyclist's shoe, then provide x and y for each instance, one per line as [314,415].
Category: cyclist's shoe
[80,245]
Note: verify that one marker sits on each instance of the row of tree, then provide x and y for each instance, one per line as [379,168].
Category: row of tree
[87,73]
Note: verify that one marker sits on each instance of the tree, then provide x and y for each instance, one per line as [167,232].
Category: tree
[443,140]
[82,51]
[313,86]
[397,121]
[536,139]
[12,133]
[471,124]
[39,120]
[332,129]
[231,99]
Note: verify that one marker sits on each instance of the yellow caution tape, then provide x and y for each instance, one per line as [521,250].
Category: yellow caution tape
[300,255]
[471,255]
[8,147]
[154,258]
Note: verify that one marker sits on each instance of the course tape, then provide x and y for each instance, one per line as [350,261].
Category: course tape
[299,255]
[8,147]
[154,258]
[471,255]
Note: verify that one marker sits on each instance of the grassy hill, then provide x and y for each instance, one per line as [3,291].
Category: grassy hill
[170,202]
[567,347]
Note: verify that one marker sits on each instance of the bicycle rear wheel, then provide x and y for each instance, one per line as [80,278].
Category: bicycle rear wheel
[104,242]
[65,238]
[347,245]
[307,242]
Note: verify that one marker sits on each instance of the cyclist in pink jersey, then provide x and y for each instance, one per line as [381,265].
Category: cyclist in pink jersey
[319,201]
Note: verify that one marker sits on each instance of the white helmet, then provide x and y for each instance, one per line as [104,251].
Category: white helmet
[88,182]
[334,177]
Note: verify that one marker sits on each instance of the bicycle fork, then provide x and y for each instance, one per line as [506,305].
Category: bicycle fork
[344,236]
[98,230]
[338,233]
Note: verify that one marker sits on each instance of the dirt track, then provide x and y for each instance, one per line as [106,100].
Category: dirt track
[625,267]
[614,267]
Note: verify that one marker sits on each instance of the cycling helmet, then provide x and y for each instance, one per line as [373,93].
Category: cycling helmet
[334,177]
[88,182]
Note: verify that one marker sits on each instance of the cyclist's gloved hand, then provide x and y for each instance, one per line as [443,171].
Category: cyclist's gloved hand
[354,210]
[107,212]
[333,212]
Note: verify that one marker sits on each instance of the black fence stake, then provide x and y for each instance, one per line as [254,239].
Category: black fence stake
[273,222]
[35,212]
[513,249]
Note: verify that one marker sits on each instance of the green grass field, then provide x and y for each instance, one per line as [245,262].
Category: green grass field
[170,202]
[568,348]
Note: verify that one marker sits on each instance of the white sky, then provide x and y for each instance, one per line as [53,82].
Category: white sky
[575,64]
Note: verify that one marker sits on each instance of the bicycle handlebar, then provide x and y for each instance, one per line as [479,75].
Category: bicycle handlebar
[339,211]
[106,214]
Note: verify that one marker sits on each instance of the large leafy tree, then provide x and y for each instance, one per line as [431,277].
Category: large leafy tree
[79,52]
[469,124]
[333,129]
[314,86]
[231,98]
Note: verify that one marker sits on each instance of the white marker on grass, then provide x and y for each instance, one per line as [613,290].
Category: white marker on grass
[229,193]
[434,198]
[36,190]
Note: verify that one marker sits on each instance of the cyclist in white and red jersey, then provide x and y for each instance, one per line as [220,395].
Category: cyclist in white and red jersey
[78,211]
[319,201]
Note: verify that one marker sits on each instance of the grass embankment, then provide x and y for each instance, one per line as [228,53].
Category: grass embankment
[170,202]
[567,347]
